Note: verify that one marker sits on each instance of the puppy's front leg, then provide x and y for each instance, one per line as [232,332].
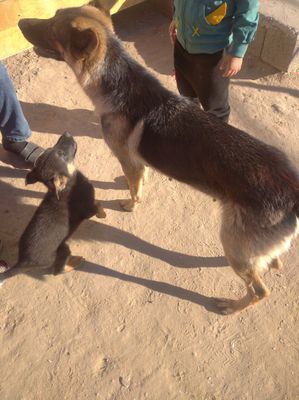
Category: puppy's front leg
[100,213]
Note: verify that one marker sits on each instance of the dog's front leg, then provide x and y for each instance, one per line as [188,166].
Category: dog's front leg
[123,140]
[135,177]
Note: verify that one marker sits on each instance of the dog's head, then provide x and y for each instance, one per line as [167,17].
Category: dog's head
[55,166]
[74,34]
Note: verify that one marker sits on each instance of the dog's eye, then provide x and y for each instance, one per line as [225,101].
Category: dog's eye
[60,153]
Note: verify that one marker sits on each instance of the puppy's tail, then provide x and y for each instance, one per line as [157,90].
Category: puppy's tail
[7,271]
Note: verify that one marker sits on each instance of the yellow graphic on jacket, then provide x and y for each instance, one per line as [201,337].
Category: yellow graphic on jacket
[217,15]
[195,30]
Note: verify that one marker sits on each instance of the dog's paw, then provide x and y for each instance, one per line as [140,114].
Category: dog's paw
[225,306]
[100,211]
[276,264]
[73,262]
[128,205]
[101,214]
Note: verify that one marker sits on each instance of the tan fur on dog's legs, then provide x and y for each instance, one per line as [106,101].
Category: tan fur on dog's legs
[256,291]
[145,175]
[135,179]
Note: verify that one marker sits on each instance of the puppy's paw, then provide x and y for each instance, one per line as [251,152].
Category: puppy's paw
[73,262]
[100,211]
[128,205]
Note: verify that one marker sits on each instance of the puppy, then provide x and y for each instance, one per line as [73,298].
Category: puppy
[69,201]
[145,124]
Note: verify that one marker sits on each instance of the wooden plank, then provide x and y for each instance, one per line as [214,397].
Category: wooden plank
[11,39]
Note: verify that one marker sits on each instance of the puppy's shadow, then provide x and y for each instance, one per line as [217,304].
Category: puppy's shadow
[53,119]
[162,287]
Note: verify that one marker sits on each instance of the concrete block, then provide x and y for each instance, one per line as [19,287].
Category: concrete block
[256,47]
[281,46]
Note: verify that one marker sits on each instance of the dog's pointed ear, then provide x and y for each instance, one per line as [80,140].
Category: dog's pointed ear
[31,178]
[103,5]
[60,182]
[84,39]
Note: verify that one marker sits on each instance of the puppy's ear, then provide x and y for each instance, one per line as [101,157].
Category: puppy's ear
[60,183]
[84,39]
[31,178]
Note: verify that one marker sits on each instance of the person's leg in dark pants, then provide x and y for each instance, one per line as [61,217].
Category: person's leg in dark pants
[198,75]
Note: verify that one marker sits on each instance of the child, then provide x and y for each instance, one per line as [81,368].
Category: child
[210,39]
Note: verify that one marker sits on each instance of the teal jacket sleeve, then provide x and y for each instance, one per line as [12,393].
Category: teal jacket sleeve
[245,25]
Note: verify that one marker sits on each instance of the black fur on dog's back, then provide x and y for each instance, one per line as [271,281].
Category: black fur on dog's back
[192,146]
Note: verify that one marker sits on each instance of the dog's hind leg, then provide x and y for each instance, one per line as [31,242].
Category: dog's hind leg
[62,255]
[256,291]
[64,261]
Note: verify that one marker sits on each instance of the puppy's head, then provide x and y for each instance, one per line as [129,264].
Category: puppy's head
[74,34]
[55,166]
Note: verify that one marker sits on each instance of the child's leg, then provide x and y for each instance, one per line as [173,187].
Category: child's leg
[212,89]
[181,72]
[201,73]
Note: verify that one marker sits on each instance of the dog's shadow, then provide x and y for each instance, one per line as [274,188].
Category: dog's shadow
[15,215]
[98,231]
[162,287]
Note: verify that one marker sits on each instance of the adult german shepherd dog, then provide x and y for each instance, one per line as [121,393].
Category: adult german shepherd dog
[145,124]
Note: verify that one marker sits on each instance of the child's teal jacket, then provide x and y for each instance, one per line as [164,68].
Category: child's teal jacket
[208,26]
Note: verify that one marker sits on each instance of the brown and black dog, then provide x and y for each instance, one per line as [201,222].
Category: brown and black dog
[145,124]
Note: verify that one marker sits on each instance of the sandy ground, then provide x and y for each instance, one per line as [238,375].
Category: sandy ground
[137,320]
